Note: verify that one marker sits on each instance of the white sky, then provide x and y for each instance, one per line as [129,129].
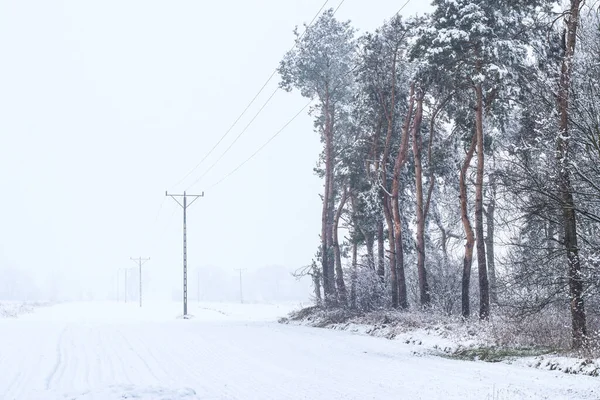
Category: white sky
[106,104]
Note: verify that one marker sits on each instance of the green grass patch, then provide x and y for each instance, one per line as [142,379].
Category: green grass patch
[497,354]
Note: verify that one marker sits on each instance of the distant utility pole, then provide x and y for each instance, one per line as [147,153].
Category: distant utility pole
[241,290]
[141,261]
[185,205]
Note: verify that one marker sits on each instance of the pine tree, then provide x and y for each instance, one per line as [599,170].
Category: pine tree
[477,43]
[320,67]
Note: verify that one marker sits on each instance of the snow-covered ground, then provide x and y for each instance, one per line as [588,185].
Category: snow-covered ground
[424,335]
[106,351]
[13,309]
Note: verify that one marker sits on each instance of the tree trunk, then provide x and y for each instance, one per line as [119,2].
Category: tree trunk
[550,236]
[368,236]
[326,256]
[578,317]
[315,274]
[380,234]
[332,209]
[489,241]
[380,250]
[339,273]
[425,297]
[392,241]
[354,275]
[400,161]
[370,244]
[464,212]
[484,290]
[399,250]
[387,199]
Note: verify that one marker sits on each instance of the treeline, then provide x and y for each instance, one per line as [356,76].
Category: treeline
[465,139]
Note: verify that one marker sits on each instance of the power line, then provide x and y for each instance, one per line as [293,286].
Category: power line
[228,130]
[338,7]
[266,103]
[253,99]
[235,140]
[263,106]
[402,8]
[263,146]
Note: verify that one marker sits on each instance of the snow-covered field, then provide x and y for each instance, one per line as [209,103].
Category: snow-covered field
[106,351]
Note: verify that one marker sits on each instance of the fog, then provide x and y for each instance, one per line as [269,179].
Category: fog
[262,285]
[105,105]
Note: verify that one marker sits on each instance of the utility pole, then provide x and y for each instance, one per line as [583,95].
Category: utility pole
[241,291]
[140,261]
[185,205]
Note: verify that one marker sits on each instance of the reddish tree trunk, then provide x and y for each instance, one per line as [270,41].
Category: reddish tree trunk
[464,213]
[391,239]
[339,273]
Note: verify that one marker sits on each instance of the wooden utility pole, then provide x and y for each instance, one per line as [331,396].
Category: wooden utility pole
[185,205]
[241,288]
[140,262]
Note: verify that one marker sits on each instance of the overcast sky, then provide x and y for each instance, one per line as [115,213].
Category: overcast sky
[104,105]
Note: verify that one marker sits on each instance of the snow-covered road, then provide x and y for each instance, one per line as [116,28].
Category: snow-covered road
[109,351]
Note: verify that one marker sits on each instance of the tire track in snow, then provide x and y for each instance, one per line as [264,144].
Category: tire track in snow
[87,361]
[139,356]
[119,355]
[171,357]
[233,370]
[27,358]
[103,348]
[59,359]
[14,381]
[148,349]
[174,361]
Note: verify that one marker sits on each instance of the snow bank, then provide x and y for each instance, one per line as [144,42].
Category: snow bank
[444,336]
[568,365]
